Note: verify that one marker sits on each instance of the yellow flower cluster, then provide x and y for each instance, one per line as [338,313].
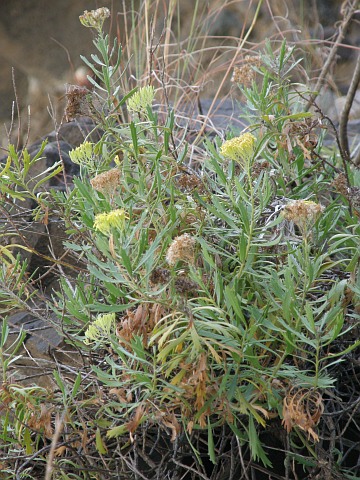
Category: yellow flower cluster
[181,248]
[141,100]
[95,18]
[303,213]
[83,154]
[240,149]
[101,329]
[104,222]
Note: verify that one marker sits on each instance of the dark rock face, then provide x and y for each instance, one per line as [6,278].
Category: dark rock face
[42,346]
[42,337]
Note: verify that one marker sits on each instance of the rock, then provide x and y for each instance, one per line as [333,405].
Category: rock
[42,351]
[41,338]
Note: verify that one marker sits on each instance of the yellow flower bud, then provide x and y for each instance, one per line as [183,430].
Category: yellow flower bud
[141,100]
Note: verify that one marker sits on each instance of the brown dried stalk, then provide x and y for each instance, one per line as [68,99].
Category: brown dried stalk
[348,10]
[344,119]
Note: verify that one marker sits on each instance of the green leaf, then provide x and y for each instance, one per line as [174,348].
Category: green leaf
[126,261]
[117,431]
[76,386]
[233,302]
[101,308]
[257,452]
[28,441]
[134,138]
[100,446]
[60,383]
[4,333]
[211,447]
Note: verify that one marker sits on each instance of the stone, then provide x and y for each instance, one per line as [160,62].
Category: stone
[42,351]
[41,337]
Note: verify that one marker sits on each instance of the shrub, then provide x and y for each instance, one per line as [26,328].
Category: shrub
[212,302]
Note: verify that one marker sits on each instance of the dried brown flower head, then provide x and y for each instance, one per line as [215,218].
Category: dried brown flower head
[185,286]
[106,182]
[189,183]
[245,74]
[76,102]
[259,167]
[340,184]
[160,275]
[353,194]
[303,213]
[182,248]
[95,18]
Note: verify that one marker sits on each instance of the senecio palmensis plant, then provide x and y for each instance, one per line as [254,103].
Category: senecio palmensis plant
[210,293]
[205,298]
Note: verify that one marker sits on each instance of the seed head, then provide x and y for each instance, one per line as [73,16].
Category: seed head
[245,74]
[185,286]
[106,182]
[259,167]
[354,197]
[76,101]
[188,183]
[182,248]
[340,184]
[160,275]
[303,213]
[95,18]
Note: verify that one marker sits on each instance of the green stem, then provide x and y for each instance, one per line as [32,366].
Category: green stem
[252,220]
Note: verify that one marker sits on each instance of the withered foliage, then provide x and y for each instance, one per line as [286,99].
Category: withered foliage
[302,408]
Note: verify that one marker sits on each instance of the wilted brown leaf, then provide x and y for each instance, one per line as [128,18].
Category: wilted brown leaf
[140,321]
[60,451]
[41,421]
[302,408]
[133,424]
